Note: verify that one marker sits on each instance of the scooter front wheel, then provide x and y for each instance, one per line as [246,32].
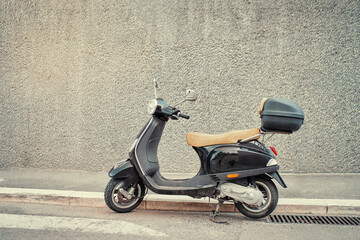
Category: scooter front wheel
[121,202]
[270,195]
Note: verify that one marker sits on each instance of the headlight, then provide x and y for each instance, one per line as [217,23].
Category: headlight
[152,106]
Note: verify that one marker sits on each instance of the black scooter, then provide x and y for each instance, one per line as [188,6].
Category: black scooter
[235,166]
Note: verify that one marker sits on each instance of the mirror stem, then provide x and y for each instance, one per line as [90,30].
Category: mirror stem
[179,102]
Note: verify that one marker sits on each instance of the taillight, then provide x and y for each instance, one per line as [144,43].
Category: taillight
[273,150]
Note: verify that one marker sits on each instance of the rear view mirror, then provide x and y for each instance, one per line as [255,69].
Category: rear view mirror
[191,95]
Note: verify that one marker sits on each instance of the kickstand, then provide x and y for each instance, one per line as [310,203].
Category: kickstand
[216,213]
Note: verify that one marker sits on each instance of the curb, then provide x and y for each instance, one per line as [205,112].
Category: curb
[177,203]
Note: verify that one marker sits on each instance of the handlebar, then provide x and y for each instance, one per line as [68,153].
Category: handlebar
[184,116]
[174,113]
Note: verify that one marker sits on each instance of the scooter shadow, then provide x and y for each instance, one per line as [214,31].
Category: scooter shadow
[232,218]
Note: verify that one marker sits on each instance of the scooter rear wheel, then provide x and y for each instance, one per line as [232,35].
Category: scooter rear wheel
[271,196]
[117,202]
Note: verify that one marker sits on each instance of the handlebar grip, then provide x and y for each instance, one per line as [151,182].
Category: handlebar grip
[184,116]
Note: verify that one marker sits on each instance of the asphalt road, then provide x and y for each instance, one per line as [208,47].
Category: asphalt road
[31,221]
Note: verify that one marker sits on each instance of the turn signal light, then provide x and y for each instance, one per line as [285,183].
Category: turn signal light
[232,175]
[273,150]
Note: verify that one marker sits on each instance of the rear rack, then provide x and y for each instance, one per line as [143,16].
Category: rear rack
[263,134]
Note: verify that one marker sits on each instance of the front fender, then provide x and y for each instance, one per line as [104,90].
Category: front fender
[123,169]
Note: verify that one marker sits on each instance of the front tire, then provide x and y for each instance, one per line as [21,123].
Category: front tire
[271,196]
[117,201]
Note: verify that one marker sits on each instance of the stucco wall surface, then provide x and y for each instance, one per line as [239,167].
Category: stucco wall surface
[76,77]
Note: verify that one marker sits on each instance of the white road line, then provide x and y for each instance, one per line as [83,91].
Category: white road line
[46,192]
[75,224]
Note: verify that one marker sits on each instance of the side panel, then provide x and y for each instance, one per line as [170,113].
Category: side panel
[236,157]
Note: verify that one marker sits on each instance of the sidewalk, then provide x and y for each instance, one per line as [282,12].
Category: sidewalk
[331,194]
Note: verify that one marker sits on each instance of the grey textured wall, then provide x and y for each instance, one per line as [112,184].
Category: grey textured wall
[76,75]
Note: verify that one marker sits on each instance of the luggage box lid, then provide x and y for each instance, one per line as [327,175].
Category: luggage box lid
[280,107]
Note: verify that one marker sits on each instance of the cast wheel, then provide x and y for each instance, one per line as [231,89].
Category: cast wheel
[117,202]
[271,196]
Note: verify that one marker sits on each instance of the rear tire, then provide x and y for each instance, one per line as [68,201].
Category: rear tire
[117,201]
[271,196]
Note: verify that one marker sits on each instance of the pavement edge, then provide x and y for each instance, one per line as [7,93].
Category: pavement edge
[176,203]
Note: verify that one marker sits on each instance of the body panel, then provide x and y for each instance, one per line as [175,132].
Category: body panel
[237,157]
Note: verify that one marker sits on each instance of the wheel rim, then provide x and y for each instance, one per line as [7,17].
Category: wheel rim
[265,190]
[120,201]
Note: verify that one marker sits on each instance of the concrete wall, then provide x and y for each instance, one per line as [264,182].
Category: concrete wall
[76,77]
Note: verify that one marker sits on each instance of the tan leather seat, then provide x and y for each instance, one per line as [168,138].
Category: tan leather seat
[201,139]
